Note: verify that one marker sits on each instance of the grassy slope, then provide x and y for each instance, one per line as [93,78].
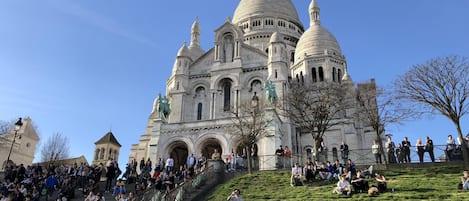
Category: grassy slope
[438,183]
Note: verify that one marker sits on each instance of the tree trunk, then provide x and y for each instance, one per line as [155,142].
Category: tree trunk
[465,154]
[381,150]
[248,153]
[315,148]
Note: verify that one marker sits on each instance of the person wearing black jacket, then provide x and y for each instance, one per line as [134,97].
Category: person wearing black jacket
[429,148]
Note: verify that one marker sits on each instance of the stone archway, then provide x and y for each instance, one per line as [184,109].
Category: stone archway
[208,146]
[179,152]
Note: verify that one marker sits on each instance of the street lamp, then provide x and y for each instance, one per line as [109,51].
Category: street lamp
[18,125]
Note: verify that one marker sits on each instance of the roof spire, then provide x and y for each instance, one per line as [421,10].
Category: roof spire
[314,13]
[346,76]
[195,35]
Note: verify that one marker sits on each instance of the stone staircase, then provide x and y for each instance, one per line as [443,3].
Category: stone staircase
[196,189]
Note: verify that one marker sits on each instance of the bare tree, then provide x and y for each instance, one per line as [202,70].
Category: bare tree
[250,123]
[316,107]
[6,126]
[440,85]
[55,148]
[380,108]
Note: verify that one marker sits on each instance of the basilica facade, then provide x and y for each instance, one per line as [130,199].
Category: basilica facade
[264,41]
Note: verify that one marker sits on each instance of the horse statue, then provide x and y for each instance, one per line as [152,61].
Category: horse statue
[163,107]
[270,92]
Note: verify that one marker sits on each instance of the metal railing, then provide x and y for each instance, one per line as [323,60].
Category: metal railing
[358,156]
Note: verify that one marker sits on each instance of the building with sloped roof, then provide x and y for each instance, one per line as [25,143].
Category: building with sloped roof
[23,145]
[106,148]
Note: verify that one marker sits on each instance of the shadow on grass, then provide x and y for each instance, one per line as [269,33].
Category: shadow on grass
[420,190]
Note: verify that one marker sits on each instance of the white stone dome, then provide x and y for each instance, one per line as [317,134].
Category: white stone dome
[315,41]
[184,51]
[266,8]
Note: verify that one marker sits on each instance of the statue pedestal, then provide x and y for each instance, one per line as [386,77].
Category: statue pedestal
[216,166]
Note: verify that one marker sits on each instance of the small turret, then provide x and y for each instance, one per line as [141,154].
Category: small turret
[314,13]
[183,61]
[195,35]
[194,47]
[277,63]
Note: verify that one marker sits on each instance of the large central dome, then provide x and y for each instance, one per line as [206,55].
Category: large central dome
[272,8]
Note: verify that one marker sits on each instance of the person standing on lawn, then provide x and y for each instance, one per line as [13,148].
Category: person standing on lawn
[420,148]
[375,151]
[429,148]
[406,148]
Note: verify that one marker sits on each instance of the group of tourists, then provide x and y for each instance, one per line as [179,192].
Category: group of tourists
[283,157]
[162,175]
[56,182]
[402,152]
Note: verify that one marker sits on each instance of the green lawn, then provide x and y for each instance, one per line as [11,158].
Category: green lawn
[438,183]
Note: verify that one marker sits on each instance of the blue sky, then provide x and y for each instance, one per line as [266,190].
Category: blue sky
[85,67]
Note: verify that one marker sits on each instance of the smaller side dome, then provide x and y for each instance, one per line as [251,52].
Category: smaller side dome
[276,37]
[184,51]
[316,40]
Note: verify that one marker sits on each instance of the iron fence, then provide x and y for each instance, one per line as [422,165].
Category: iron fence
[358,156]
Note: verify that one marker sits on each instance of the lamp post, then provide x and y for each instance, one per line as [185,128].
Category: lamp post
[255,108]
[18,125]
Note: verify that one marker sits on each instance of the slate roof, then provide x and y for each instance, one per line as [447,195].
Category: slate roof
[108,138]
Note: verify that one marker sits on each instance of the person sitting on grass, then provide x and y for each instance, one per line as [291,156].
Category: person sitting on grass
[296,174]
[309,172]
[382,183]
[343,187]
[351,168]
[324,172]
[235,196]
[465,181]
[360,184]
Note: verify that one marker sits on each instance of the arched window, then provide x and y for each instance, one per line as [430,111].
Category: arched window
[321,74]
[199,91]
[333,74]
[292,57]
[339,75]
[226,95]
[314,75]
[297,78]
[308,153]
[199,111]
[96,154]
[276,74]
[228,48]
[102,154]
[110,154]
[302,78]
